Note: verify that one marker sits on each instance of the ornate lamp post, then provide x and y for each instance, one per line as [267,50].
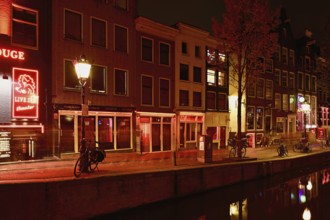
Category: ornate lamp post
[82,68]
[305,107]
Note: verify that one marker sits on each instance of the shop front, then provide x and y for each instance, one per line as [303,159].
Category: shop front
[155,131]
[218,123]
[113,129]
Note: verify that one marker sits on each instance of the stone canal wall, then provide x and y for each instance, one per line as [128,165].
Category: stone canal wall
[82,198]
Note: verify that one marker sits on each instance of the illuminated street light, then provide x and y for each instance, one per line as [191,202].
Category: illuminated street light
[307,214]
[82,68]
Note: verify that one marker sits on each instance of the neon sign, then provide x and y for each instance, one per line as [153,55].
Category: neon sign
[12,54]
[25,93]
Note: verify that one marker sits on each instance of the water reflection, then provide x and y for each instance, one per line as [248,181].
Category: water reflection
[281,197]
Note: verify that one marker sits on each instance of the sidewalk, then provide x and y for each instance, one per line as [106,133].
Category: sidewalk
[126,163]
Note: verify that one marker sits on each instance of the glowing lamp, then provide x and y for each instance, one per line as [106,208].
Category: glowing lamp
[305,107]
[82,68]
[307,214]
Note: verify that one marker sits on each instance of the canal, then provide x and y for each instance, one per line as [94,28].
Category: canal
[295,195]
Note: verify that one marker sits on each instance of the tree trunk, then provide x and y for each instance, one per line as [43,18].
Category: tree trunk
[239,116]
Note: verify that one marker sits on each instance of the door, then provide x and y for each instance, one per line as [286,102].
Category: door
[66,134]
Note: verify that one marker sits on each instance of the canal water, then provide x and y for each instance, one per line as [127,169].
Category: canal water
[293,196]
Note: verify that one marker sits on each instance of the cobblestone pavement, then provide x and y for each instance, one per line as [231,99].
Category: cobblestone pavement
[127,163]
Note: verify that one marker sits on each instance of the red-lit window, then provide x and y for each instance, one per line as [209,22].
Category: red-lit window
[24,26]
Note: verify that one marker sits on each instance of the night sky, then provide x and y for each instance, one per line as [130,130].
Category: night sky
[303,14]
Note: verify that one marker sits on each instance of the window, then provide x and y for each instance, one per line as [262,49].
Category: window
[285,100]
[313,84]
[291,57]
[307,63]
[211,77]
[260,118]
[277,79]
[222,57]
[184,72]
[251,90]
[197,74]
[260,65]
[164,54]
[73,25]
[122,4]
[99,32]
[260,88]
[197,51]
[277,53]
[164,93]
[250,118]
[184,49]
[307,81]
[278,101]
[284,55]
[221,79]
[300,81]
[211,56]
[197,99]
[98,79]
[123,134]
[121,39]
[146,50]
[184,97]
[211,100]
[269,89]
[222,101]
[121,82]
[292,103]
[284,82]
[147,93]
[24,26]
[269,65]
[70,76]
[291,80]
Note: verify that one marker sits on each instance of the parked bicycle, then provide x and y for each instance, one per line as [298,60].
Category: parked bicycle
[302,146]
[282,150]
[232,142]
[89,160]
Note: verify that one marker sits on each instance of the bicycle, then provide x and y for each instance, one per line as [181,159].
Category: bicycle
[302,146]
[232,142]
[282,150]
[89,160]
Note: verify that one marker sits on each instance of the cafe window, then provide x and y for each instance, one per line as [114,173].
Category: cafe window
[121,82]
[72,25]
[211,77]
[98,79]
[24,26]
[121,39]
[99,32]
[164,93]
[147,90]
[70,76]
[164,54]
[184,72]
[250,118]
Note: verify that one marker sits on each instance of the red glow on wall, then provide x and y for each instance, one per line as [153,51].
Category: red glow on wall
[12,54]
[25,93]
[5,16]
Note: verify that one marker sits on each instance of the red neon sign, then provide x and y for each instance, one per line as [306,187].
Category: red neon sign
[13,54]
[25,93]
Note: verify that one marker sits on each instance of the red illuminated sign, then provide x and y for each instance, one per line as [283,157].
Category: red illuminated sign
[13,54]
[25,93]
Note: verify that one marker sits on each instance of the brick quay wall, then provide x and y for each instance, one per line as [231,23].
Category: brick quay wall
[87,197]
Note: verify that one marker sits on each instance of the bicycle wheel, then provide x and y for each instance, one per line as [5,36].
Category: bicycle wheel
[93,165]
[77,170]
[232,152]
[243,151]
[296,147]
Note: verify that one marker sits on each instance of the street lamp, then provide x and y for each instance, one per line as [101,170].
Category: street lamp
[82,68]
[305,107]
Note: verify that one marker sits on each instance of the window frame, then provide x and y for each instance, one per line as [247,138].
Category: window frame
[168,55]
[104,80]
[126,93]
[92,31]
[143,47]
[115,39]
[81,25]
[152,90]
